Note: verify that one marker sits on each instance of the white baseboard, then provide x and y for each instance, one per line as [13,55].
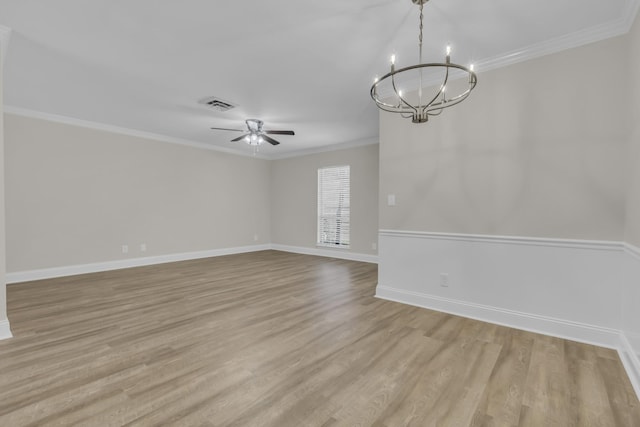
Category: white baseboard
[72,270]
[631,362]
[5,329]
[604,337]
[329,253]
[49,273]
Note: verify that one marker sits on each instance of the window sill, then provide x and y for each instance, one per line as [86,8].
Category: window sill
[329,246]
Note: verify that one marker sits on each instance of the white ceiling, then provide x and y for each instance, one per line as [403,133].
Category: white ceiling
[143,65]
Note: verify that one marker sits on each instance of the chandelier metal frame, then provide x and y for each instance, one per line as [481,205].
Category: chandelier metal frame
[420,111]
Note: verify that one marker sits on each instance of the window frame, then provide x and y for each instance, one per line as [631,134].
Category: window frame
[321,202]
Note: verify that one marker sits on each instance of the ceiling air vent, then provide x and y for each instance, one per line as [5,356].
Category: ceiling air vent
[217,104]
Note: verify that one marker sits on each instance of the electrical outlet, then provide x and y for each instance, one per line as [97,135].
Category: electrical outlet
[444,280]
[255,237]
[374,246]
[125,249]
[143,247]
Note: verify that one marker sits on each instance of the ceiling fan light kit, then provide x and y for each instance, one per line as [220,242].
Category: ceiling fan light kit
[409,100]
[256,135]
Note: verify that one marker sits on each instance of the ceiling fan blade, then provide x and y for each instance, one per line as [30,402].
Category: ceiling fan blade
[239,138]
[270,140]
[234,130]
[280,132]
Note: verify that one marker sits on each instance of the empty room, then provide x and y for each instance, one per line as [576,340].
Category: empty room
[310,214]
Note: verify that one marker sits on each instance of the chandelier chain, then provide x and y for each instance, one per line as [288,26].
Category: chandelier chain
[421,26]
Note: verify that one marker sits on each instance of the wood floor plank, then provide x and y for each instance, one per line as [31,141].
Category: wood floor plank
[624,404]
[549,392]
[278,339]
[505,388]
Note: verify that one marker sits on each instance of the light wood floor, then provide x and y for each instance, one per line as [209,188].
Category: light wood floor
[276,339]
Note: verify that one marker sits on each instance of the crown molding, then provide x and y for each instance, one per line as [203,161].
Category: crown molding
[326,148]
[18,111]
[629,14]
[5,35]
[597,33]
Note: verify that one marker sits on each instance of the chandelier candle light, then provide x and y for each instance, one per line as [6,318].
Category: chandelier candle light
[389,97]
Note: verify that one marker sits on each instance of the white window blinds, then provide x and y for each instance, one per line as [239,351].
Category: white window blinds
[333,206]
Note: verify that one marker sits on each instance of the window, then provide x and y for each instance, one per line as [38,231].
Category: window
[333,206]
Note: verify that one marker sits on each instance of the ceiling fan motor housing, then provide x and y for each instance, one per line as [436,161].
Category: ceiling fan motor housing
[254,125]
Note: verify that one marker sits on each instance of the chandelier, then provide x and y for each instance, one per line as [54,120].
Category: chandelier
[413,103]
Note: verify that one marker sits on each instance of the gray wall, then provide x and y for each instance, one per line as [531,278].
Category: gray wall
[631,291]
[76,195]
[536,150]
[3,267]
[294,187]
[632,231]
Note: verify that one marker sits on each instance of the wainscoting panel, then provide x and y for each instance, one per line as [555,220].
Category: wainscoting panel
[566,288]
[630,335]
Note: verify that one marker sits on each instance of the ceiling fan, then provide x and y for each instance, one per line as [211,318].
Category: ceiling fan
[257,135]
